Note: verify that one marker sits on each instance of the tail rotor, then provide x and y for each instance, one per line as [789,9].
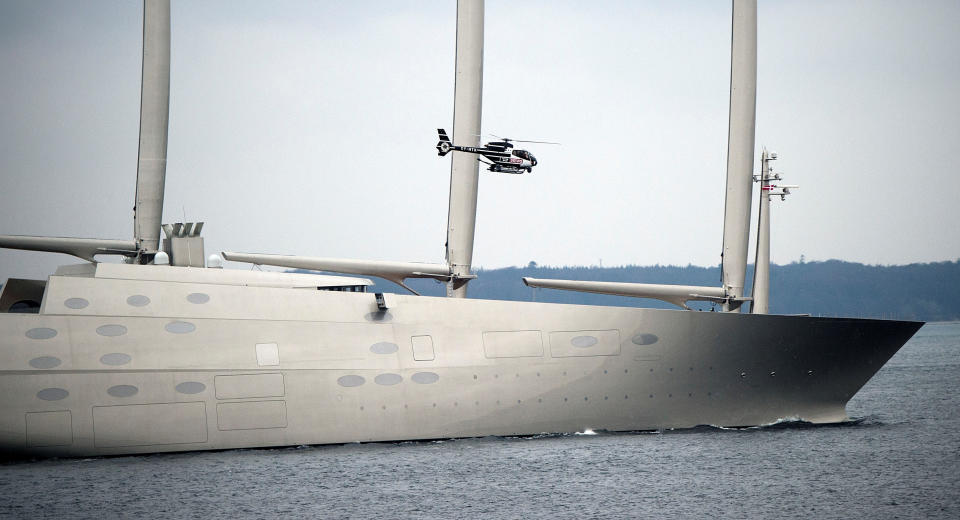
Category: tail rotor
[444,145]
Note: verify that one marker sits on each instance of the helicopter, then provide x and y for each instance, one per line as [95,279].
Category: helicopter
[499,154]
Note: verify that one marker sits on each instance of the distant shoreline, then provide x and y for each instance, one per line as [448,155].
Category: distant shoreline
[919,291]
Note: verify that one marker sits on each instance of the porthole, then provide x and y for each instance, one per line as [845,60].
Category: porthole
[123,390]
[45,362]
[583,341]
[191,387]
[111,330]
[384,347]
[138,300]
[115,359]
[351,380]
[180,327]
[644,339]
[52,394]
[198,298]
[425,378]
[76,303]
[388,379]
[41,333]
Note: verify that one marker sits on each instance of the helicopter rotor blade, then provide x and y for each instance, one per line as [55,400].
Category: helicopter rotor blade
[527,141]
[509,140]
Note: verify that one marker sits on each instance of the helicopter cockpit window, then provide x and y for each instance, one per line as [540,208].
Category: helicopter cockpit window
[523,154]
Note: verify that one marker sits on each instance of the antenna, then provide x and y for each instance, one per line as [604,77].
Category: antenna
[761,265]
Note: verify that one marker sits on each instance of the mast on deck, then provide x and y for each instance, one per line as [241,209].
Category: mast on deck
[761,265]
[464,169]
[740,144]
[154,115]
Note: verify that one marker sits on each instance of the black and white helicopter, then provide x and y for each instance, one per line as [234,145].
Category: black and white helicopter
[500,155]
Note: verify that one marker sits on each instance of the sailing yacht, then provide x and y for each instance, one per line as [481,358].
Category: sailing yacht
[168,351]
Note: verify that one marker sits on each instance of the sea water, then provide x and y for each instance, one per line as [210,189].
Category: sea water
[898,458]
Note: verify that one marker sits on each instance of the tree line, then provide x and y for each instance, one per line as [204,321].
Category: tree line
[922,291]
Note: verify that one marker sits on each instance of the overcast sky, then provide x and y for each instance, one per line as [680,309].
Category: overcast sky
[309,128]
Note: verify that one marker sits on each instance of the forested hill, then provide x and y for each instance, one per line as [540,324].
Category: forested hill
[929,292]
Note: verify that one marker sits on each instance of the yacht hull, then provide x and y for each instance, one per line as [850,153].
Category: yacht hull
[206,366]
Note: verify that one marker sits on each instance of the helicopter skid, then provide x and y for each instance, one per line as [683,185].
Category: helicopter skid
[507,169]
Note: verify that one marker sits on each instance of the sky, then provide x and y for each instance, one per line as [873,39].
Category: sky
[309,128]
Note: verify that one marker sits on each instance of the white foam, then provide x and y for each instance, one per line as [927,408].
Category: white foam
[792,419]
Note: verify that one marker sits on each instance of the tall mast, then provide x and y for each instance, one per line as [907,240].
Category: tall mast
[740,144]
[761,265]
[464,169]
[154,115]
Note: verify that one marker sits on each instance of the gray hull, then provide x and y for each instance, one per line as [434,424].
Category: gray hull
[114,365]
